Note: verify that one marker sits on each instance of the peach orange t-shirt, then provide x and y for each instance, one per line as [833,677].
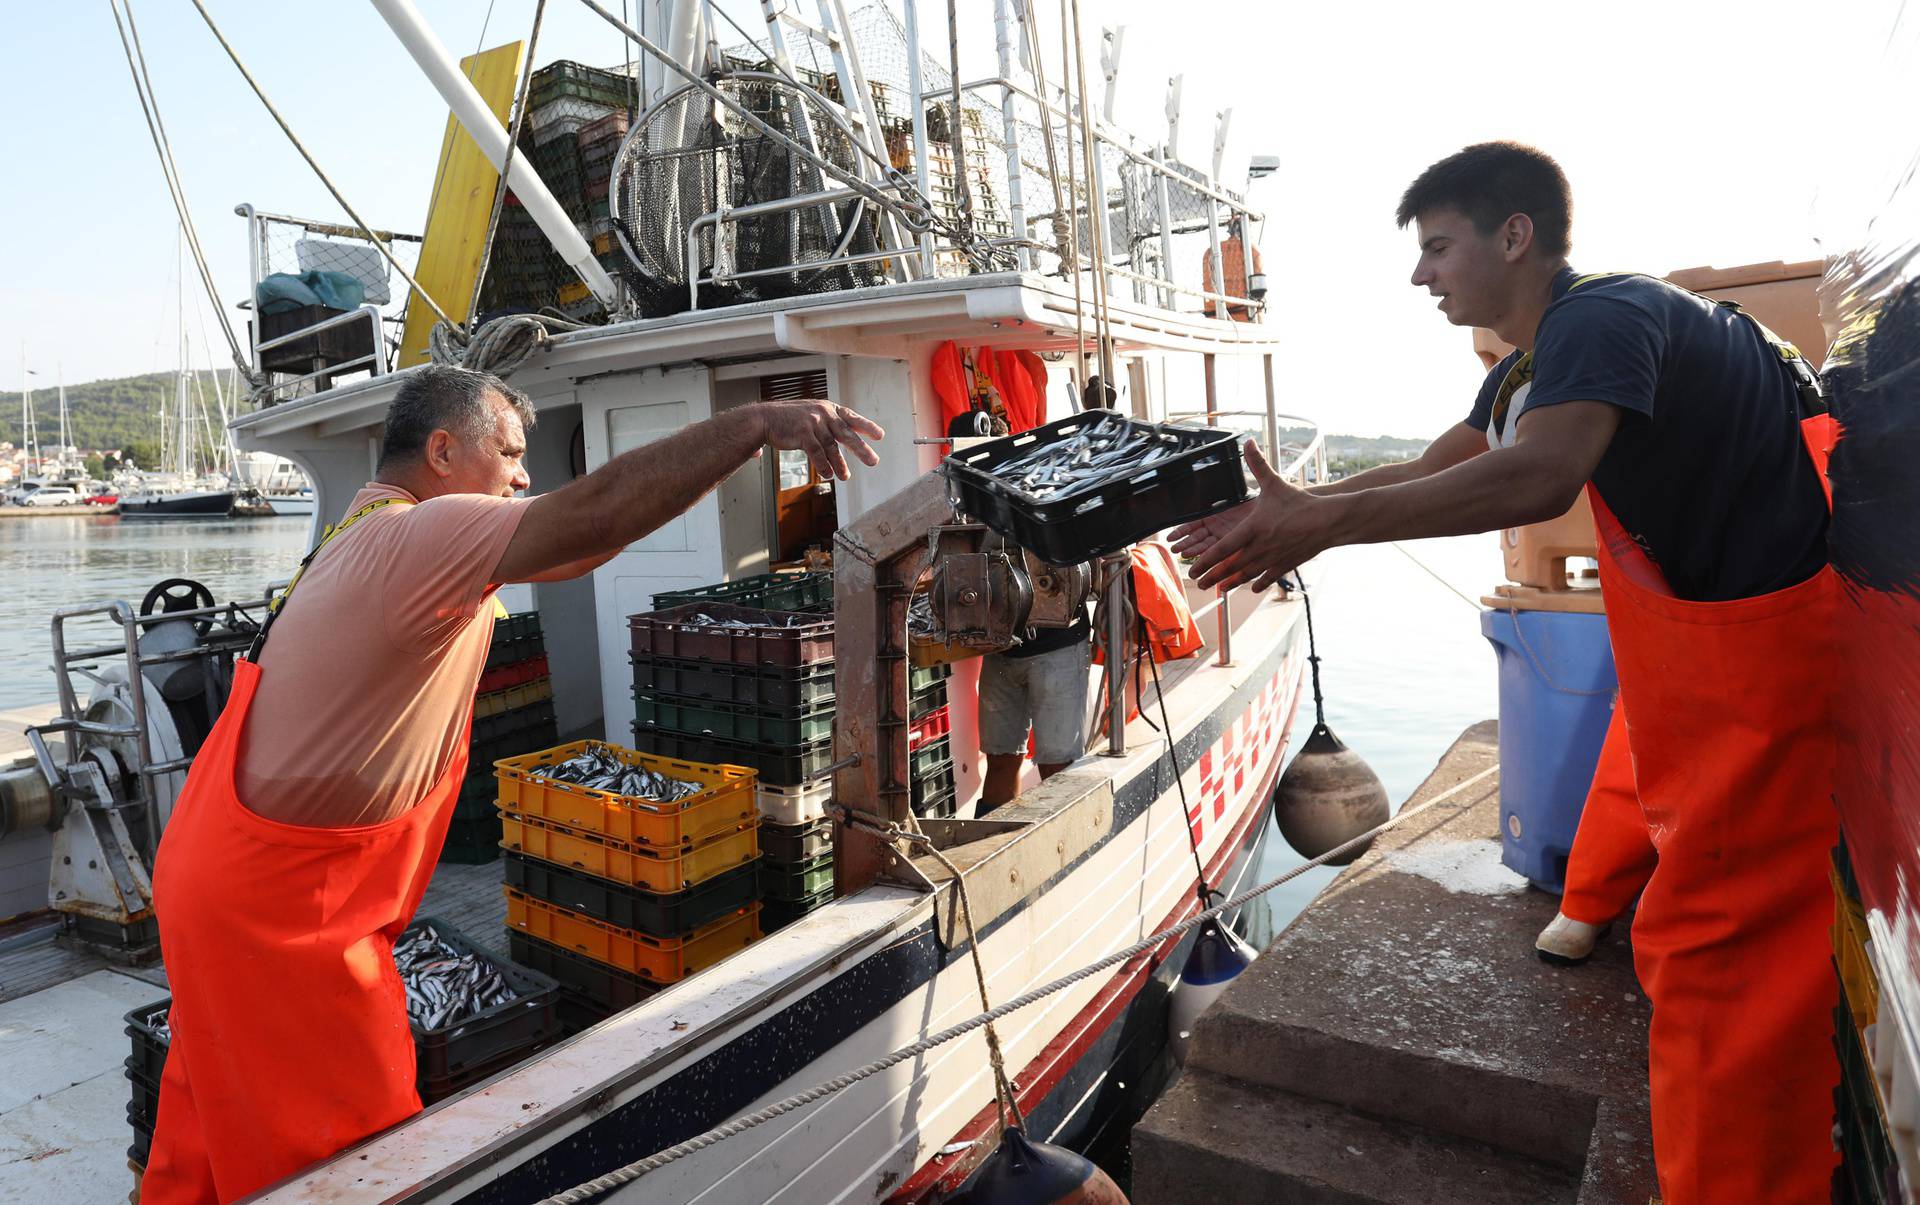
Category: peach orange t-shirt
[368,676]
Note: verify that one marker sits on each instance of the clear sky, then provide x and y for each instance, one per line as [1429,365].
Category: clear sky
[1693,133]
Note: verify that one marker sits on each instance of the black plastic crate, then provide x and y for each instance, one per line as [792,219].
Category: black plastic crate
[518,648]
[142,1145]
[935,783]
[1199,476]
[544,735]
[935,803]
[629,907]
[778,914]
[754,686]
[436,1088]
[473,840]
[925,702]
[536,716]
[806,592]
[521,625]
[794,843]
[516,1026]
[786,726]
[149,1046]
[143,1107]
[608,987]
[780,766]
[791,882]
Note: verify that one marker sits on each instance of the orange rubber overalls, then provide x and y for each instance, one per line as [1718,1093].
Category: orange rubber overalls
[289,1024]
[1727,710]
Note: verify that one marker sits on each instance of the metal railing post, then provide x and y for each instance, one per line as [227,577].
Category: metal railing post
[1010,127]
[1119,571]
[915,87]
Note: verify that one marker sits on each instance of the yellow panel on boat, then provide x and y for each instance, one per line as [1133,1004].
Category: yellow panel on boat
[462,202]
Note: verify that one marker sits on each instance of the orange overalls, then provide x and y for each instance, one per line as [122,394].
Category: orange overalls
[289,1025]
[1722,747]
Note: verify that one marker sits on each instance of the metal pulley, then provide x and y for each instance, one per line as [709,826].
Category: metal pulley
[981,595]
[1060,592]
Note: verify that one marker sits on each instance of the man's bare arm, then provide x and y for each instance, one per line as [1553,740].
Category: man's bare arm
[1537,478]
[1456,445]
[591,519]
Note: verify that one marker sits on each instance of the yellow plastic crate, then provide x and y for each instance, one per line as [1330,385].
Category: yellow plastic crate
[656,870]
[1849,933]
[727,801]
[657,959]
[512,698]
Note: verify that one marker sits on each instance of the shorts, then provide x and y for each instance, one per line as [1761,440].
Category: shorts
[1048,692]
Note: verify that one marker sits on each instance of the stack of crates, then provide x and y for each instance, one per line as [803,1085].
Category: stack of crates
[512,715]
[616,896]
[577,118]
[1869,1170]
[930,743]
[759,696]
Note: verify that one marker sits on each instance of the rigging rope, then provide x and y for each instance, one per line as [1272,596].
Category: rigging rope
[1002,1085]
[582,1193]
[379,243]
[163,148]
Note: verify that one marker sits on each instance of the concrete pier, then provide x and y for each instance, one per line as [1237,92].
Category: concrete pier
[1401,1042]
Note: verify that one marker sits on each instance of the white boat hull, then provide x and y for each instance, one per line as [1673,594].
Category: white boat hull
[867,975]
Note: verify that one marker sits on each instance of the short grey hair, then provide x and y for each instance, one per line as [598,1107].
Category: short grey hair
[440,397]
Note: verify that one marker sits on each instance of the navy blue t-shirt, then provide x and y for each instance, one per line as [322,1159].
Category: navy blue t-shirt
[1707,472]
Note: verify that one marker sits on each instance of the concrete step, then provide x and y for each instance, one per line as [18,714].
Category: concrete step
[1215,1140]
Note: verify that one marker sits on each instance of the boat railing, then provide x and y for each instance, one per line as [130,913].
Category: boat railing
[306,350]
[1169,234]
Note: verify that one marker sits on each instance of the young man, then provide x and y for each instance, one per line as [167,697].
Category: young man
[314,812]
[1685,425]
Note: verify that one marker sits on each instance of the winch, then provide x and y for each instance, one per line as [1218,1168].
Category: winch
[104,775]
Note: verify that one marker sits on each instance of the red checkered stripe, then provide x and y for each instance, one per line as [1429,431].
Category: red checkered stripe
[1232,761]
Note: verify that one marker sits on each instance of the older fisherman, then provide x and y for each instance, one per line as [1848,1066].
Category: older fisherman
[1701,441]
[314,813]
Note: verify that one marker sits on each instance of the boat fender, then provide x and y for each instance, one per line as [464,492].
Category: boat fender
[1328,796]
[1217,958]
[1024,1172]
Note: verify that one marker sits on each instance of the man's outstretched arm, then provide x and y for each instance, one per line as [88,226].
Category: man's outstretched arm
[1552,458]
[584,523]
[1458,444]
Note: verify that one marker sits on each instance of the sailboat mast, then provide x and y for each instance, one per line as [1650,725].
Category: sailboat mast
[60,382]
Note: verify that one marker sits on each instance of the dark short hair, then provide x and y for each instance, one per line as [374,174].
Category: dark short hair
[440,397]
[1489,182]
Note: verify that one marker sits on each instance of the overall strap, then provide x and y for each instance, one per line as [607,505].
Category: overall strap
[280,600]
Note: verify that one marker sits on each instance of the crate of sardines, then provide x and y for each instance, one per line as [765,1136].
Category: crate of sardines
[471,1014]
[626,796]
[1093,483]
[745,636]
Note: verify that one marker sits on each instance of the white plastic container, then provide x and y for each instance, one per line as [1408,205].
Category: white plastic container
[794,805]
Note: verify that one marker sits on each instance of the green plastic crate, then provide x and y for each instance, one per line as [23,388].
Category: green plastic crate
[472,840]
[778,914]
[732,722]
[774,687]
[930,757]
[795,881]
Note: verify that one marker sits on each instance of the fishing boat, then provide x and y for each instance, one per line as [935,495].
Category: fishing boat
[1022,222]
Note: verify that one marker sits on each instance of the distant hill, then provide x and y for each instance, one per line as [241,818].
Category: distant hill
[101,415]
[1356,452]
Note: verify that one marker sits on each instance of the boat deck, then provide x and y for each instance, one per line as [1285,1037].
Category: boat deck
[63,1099]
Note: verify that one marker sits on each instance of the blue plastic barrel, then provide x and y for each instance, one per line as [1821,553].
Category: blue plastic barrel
[1556,697]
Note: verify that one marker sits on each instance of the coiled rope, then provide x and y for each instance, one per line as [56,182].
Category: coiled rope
[582,1193]
[500,346]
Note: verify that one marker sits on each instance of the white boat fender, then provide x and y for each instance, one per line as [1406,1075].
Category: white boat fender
[1024,1172]
[1217,958]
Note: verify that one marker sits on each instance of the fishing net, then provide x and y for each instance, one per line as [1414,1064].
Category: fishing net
[690,158]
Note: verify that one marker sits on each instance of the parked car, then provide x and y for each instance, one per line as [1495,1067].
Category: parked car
[53,495]
[103,498]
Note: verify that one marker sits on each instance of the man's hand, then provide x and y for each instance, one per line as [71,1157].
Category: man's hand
[1192,539]
[821,430]
[1276,533]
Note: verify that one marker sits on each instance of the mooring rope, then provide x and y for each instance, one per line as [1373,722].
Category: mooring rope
[633,1171]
